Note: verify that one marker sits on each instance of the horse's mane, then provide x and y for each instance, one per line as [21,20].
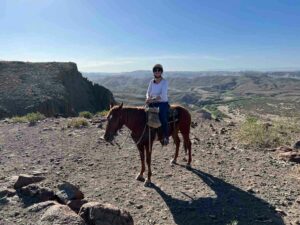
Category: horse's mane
[134,107]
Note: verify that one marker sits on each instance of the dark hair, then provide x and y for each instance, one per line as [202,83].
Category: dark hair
[158,66]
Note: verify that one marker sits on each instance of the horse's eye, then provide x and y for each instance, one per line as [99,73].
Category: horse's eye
[110,117]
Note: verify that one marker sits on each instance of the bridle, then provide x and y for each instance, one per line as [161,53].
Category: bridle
[140,138]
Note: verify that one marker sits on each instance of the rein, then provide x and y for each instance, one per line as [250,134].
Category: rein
[120,146]
[140,139]
[142,134]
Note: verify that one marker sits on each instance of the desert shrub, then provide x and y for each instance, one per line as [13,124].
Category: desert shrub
[19,119]
[32,118]
[255,132]
[78,123]
[86,114]
[102,113]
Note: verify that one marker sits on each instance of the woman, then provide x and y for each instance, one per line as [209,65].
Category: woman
[157,96]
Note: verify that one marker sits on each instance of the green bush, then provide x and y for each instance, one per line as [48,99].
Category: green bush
[86,114]
[78,123]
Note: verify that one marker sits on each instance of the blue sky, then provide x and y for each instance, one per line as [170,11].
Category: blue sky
[127,35]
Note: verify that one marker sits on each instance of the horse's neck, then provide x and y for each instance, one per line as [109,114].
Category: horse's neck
[134,119]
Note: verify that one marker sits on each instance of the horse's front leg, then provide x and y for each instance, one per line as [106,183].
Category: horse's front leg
[140,176]
[148,160]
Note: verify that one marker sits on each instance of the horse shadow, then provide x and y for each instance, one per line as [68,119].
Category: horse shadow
[232,206]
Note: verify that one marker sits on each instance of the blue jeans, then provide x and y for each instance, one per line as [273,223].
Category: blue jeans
[163,115]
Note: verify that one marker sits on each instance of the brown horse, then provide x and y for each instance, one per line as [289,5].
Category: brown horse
[135,119]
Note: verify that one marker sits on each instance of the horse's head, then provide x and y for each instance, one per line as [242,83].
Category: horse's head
[114,122]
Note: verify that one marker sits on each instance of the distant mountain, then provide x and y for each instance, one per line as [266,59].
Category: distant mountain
[50,88]
[147,73]
[246,89]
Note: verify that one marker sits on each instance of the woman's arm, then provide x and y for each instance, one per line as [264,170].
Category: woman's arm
[164,92]
[149,90]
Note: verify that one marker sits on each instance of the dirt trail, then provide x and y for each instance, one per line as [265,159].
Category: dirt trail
[226,185]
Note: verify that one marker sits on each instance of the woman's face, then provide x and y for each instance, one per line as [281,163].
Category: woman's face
[157,73]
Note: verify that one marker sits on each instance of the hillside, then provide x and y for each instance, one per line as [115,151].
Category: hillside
[247,92]
[50,88]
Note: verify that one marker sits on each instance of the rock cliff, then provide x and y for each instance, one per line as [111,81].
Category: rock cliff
[50,88]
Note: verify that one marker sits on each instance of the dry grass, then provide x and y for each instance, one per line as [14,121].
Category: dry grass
[32,118]
[102,113]
[19,119]
[256,132]
[78,123]
[86,114]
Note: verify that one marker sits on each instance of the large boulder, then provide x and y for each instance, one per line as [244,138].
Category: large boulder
[60,215]
[95,213]
[26,179]
[50,88]
[68,191]
[38,192]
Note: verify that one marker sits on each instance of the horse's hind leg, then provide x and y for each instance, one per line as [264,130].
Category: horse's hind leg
[188,147]
[184,127]
[140,177]
[177,144]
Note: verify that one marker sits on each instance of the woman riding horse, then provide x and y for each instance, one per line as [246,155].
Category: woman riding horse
[157,96]
[135,119]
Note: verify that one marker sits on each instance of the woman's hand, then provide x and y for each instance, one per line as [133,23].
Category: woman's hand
[153,99]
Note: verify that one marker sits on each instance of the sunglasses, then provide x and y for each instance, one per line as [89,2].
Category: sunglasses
[157,70]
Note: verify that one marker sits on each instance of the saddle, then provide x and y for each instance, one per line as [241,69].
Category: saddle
[153,116]
[173,115]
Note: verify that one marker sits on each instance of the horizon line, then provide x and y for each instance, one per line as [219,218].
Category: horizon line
[279,69]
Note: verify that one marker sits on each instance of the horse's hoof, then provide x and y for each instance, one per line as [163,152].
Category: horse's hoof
[173,162]
[140,178]
[147,183]
[188,166]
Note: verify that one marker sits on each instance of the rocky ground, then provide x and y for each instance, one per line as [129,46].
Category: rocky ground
[227,184]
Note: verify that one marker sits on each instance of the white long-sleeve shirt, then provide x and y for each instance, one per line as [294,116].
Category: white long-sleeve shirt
[160,89]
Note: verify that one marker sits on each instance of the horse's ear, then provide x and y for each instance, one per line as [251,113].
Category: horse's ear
[121,106]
